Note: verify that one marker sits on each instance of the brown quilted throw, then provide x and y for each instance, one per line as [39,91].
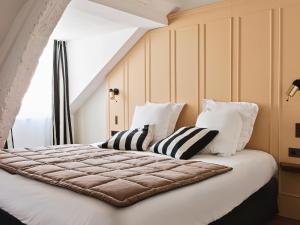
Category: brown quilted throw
[120,178]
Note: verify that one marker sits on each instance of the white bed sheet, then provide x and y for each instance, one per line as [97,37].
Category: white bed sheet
[36,203]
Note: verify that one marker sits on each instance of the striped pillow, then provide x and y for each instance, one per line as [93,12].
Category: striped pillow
[185,142]
[135,139]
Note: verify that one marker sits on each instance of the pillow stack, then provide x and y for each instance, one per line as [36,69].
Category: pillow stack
[229,125]
[222,128]
[234,120]
[161,120]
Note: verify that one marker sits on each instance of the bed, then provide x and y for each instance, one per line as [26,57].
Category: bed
[248,189]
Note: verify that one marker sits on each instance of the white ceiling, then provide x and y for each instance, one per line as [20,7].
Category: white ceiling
[167,6]
[83,19]
[156,10]
[86,18]
[190,4]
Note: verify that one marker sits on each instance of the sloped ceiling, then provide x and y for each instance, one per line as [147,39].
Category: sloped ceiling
[8,11]
[84,19]
[155,10]
[113,33]
[25,39]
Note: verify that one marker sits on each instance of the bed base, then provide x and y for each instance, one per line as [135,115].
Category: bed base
[7,219]
[258,209]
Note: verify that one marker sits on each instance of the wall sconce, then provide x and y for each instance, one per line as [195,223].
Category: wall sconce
[113,93]
[293,89]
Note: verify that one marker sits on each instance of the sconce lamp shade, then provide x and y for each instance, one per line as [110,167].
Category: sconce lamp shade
[113,93]
[293,89]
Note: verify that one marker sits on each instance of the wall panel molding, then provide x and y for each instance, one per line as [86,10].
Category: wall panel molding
[233,51]
[224,56]
[202,60]
[231,58]
[126,92]
[256,73]
[173,65]
[239,60]
[160,68]
[218,59]
[187,75]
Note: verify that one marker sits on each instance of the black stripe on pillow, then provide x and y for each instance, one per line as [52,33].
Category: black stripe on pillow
[129,139]
[141,139]
[118,139]
[136,139]
[200,145]
[185,143]
[182,141]
[104,145]
[166,145]
[162,146]
[167,141]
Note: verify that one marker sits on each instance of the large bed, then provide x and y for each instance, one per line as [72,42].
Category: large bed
[211,201]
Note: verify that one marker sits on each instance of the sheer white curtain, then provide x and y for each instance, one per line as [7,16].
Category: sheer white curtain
[33,124]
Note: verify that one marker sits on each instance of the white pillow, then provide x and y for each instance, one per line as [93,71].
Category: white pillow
[248,112]
[159,115]
[176,110]
[229,124]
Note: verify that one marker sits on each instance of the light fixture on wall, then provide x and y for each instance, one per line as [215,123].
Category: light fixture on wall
[293,89]
[113,93]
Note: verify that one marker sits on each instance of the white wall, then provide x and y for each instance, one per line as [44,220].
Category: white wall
[32,126]
[90,120]
[88,56]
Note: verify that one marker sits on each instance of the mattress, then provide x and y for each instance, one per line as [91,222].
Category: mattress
[34,203]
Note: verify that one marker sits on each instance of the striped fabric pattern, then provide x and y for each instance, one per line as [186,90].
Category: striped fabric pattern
[61,116]
[185,142]
[135,139]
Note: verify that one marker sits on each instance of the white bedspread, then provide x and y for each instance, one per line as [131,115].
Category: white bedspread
[36,203]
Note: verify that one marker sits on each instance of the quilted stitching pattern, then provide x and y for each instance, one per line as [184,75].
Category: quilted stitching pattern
[120,178]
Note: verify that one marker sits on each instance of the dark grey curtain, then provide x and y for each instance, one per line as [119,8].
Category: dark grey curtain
[62,126]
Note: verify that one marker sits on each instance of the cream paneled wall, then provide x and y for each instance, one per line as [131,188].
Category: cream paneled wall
[186,72]
[159,74]
[236,50]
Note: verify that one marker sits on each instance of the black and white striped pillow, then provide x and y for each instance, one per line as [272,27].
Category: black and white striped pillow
[185,142]
[135,139]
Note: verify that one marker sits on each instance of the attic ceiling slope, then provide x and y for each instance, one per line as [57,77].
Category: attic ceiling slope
[97,80]
[142,8]
[21,59]
[155,10]
[118,33]
[8,11]
[85,19]
[190,4]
